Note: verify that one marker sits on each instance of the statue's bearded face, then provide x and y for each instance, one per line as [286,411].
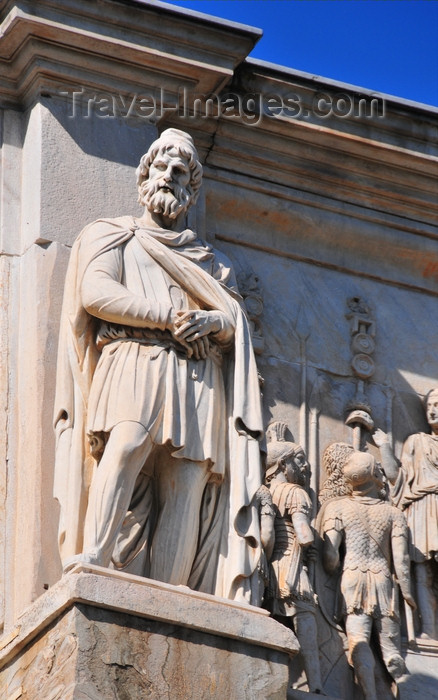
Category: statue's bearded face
[295,467]
[167,189]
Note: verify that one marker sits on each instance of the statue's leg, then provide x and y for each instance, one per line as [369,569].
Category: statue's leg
[426,599]
[181,486]
[131,552]
[112,487]
[305,628]
[388,630]
[358,628]
[213,528]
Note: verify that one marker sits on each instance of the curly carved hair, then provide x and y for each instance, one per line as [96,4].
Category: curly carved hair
[185,151]
[334,458]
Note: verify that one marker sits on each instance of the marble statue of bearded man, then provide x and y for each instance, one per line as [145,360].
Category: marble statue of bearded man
[157,410]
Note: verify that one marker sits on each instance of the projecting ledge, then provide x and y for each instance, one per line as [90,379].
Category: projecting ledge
[97,630]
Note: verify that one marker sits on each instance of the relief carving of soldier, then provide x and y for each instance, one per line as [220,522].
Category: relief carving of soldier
[374,537]
[290,596]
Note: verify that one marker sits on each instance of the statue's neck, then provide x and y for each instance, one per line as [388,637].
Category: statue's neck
[151,219]
[367,489]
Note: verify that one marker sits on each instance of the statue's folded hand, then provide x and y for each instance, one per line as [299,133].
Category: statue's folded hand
[197,323]
[196,347]
[200,348]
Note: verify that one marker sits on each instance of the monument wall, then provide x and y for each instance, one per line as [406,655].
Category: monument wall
[323,196]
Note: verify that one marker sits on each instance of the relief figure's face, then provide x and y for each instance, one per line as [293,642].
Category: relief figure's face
[432,410]
[296,468]
[166,191]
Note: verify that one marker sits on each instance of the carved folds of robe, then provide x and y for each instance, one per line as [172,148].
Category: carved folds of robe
[416,492]
[108,372]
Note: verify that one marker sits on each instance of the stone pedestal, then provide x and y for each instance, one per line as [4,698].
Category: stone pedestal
[103,634]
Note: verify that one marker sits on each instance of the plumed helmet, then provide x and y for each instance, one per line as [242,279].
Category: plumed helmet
[278,447]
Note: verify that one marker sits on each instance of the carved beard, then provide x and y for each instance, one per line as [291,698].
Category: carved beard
[170,204]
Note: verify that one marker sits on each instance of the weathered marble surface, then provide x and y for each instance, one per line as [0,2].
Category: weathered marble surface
[318,211]
[96,653]
[101,634]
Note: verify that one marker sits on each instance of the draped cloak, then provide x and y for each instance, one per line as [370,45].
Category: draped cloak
[416,493]
[183,260]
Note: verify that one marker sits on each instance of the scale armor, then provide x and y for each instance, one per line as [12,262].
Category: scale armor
[369,525]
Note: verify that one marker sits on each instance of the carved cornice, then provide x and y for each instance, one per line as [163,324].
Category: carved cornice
[114,44]
[386,164]
[373,179]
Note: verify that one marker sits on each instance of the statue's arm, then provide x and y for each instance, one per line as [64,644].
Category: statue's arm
[302,528]
[389,463]
[330,553]
[400,556]
[267,534]
[332,535]
[267,519]
[105,297]
[299,507]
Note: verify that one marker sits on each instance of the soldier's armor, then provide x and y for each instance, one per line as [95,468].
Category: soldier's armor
[263,500]
[284,536]
[363,551]
[289,587]
[368,526]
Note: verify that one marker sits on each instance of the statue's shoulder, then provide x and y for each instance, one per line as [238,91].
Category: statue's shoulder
[104,227]
[415,443]
[337,505]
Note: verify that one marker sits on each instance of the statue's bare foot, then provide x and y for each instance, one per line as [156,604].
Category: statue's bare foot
[397,667]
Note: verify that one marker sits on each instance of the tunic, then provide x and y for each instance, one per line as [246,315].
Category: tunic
[416,493]
[290,588]
[143,375]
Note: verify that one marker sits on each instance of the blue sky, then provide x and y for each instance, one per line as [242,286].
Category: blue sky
[390,46]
